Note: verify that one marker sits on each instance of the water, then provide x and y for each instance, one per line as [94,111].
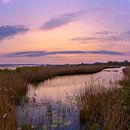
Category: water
[15,66]
[51,104]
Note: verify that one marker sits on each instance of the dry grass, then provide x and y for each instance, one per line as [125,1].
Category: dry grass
[11,90]
[126,88]
[7,114]
[103,110]
[126,91]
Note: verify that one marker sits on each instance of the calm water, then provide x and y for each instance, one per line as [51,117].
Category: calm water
[51,104]
[15,66]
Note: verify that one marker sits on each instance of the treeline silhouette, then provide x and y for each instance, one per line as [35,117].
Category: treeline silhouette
[124,63]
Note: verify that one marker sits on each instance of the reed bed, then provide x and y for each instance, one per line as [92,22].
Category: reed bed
[126,91]
[38,74]
[103,111]
[126,88]
[12,89]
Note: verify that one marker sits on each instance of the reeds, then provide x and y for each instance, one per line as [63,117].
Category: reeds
[126,88]
[12,89]
[103,110]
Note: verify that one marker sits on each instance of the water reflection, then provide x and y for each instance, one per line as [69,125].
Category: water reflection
[57,88]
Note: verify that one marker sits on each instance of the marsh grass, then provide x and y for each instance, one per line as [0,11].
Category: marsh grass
[126,91]
[126,88]
[12,89]
[7,114]
[103,110]
[38,74]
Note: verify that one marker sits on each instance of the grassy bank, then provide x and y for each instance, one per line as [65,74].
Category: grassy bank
[38,74]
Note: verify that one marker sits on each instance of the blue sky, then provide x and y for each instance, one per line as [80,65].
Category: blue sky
[64,31]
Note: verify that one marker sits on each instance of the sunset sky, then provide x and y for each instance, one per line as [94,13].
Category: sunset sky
[64,31]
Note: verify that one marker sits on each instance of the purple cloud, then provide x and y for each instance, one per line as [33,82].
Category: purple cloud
[70,52]
[104,36]
[10,31]
[62,20]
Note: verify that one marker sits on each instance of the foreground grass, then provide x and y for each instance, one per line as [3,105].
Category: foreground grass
[103,110]
[12,88]
[126,88]
[106,110]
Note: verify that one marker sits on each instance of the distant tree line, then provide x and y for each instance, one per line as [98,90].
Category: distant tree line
[124,63]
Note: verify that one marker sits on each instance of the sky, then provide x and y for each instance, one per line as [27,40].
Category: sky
[64,31]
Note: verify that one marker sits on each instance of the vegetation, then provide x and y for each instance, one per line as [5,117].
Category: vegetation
[38,74]
[104,109]
[13,86]
[12,89]
[126,88]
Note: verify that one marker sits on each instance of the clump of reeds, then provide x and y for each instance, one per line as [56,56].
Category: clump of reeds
[126,91]
[103,110]
[12,88]
[7,114]
[126,88]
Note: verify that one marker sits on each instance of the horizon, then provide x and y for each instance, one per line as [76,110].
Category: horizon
[84,63]
[64,32]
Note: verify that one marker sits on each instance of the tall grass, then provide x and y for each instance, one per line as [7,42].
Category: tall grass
[12,89]
[106,109]
[126,91]
[126,88]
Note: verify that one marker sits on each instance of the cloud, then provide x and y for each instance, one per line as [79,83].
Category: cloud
[62,20]
[48,53]
[10,31]
[67,18]
[104,33]
[104,36]
[6,1]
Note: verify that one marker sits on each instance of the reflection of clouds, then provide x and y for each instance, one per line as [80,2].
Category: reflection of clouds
[61,87]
